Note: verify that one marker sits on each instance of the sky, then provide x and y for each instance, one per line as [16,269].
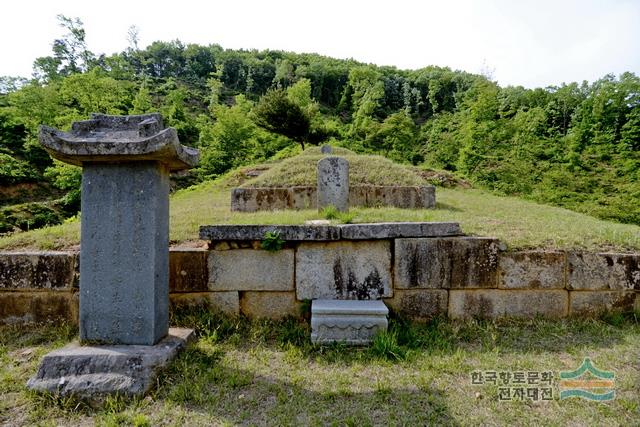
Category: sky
[529,43]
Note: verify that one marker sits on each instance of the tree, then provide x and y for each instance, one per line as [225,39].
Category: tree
[70,53]
[397,136]
[277,113]
[142,102]
[229,142]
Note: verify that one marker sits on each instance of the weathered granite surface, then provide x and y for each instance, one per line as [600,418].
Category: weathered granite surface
[344,270]
[40,306]
[392,230]
[97,371]
[350,322]
[269,305]
[602,271]
[333,183]
[124,254]
[38,270]
[257,232]
[586,303]
[532,270]
[448,263]
[106,138]
[305,197]
[323,232]
[496,303]
[419,304]
[227,302]
[248,269]
[188,270]
[404,197]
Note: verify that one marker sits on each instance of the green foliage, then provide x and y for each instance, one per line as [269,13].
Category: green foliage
[14,171]
[277,113]
[69,178]
[228,142]
[271,241]
[142,103]
[574,145]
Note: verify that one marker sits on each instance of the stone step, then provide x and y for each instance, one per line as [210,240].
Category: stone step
[347,321]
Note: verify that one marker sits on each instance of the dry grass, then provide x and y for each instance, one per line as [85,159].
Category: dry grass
[265,373]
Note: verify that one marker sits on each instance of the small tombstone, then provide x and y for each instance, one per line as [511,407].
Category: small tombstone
[326,149]
[333,183]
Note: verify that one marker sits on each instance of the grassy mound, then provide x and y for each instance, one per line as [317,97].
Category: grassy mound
[518,223]
[363,169]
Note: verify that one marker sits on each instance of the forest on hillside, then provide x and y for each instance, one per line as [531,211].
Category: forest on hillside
[575,145]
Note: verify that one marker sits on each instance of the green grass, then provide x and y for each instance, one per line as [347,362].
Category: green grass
[518,223]
[268,373]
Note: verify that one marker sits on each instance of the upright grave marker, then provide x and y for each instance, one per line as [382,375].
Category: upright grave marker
[333,183]
[124,251]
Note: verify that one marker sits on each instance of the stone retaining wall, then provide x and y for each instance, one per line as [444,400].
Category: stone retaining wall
[260,199]
[418,277]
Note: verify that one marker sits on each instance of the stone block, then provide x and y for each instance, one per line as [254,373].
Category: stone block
[344,270]
[251,270]
[448,263]
[333,183]
[532,270]
[124,256]
[419,304]
[269,305]
[227,302]
[257,232]
[496,303]
[94,372]
[597,302]
[29,307]
[303,197]
[393,230]
[589,271]
[38,270]
[256,199]
[350,322]
[188,270]
[359,195]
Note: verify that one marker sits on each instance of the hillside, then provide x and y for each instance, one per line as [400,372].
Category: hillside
[518,223]
[573,145]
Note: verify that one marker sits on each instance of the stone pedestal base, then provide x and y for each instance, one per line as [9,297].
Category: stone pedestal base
[350,322]
[97,371]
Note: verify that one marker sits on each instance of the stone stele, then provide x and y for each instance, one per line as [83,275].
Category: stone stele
[333,183]
[124,255]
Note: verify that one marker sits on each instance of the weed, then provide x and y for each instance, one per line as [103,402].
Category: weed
[385,346]
[330,212]
[271,241]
